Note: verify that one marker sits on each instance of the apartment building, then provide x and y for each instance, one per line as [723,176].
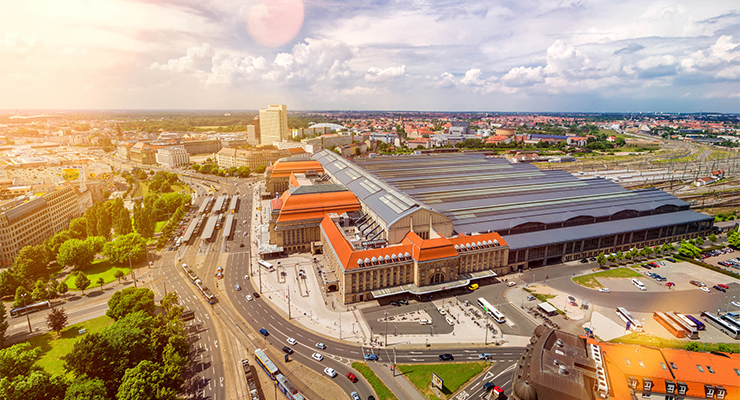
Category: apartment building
[206,146]
[34,219]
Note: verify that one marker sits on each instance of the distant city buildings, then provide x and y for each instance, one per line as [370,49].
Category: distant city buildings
[265,156]
[274,124]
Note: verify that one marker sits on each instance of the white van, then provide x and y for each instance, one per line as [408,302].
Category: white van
[639,284]
[425,322]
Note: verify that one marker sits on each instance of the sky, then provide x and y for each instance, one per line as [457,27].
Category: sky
[447,55]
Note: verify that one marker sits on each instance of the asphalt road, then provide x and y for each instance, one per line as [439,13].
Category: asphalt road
[499,373]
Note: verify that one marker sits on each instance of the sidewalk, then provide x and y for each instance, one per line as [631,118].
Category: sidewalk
[400,386]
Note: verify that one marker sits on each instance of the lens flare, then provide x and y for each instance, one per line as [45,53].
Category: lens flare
[274,23]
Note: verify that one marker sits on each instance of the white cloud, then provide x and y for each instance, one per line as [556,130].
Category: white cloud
[197,58]
[524,76]
[381,75]
[18,44]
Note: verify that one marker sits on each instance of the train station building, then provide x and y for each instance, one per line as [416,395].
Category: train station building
[545,216]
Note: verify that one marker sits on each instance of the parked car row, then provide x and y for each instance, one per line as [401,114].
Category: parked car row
[734,263]
[718,252]
[657,277]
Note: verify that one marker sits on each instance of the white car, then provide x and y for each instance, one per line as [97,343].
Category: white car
[238,287]
[330,372]
[604,290]
[441,311]
[317,356]
[704,288]
[510,284]
[321,346]
[292,341]
[249,297]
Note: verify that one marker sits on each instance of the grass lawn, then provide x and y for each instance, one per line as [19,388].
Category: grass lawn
[650,340]
[53,346]
[160,225]
[454,375]
[180,188]
[100,268]
[591,281]
[378,386]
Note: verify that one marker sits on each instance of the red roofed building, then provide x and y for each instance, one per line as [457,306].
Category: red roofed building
[296,215]
[372,269]
[278,176]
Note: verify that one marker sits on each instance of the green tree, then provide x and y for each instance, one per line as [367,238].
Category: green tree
[699,241]
[689,250]
[260,169]
[40,292]
[712,238]
[601,259]
[104,222]
[724,347]
[612,258]
[62,288]
[22,297]
[78,228]
[119,250]
[118,275]
[95,244]
[123,223]
[32,261]
[57,241]
[18,359]
[84,388]
[100,283]
[82,281]
[75,252]
[693,346]
[243,172]
[130,300]
[56,320]
[3,324]
[8,283]
[145,381]
[733,239]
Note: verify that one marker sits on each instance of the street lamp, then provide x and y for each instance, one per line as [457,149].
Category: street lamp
[385,342]
[23,296]
[133,274]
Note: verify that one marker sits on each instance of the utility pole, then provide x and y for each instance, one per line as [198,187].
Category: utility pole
[289,304]
[385,343]
[133,274]
[27,317]
[485,328]
[394,362]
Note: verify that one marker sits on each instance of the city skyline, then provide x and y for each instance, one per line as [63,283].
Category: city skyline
[313,55]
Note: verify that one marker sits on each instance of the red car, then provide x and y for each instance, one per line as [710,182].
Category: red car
[669,284]
[352,377]
[722,285]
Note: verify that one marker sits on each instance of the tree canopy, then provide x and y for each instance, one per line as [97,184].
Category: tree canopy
[121,248]
[130,300]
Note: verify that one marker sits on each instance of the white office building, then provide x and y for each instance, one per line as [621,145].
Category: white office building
[173,156]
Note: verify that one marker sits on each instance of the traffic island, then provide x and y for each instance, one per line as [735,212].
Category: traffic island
[378,386]
[453,377]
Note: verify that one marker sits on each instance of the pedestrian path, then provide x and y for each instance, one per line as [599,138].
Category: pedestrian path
[400,386]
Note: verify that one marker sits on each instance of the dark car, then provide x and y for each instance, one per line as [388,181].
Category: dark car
[288,350]
[394,303]
[404,302]
[241,244]
[446,357]
[670,259]
[720,288]
[264,332]
[584,260]
[256,295]
[592,259]
[352,377]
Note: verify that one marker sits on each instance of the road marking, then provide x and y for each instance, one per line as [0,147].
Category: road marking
[416,359]
[415,352]
[462,396]
[215,342]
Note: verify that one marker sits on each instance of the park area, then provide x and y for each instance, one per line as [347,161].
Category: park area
[53,347]
[454,376]
[99,269]
[591,280]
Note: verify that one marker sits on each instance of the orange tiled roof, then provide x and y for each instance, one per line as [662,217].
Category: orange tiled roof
[311,206]
[285,168]
[429,249]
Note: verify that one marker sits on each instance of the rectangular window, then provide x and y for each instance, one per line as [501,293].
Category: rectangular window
[673,365]
[709,368]
[662,365]
[699,368]
[641,363]
[626,361]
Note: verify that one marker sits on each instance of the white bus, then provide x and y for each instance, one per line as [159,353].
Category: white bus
[497,315]
[625,315]
[639,284]
[266,265]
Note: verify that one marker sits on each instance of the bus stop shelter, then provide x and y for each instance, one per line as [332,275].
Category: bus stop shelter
[547,308]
